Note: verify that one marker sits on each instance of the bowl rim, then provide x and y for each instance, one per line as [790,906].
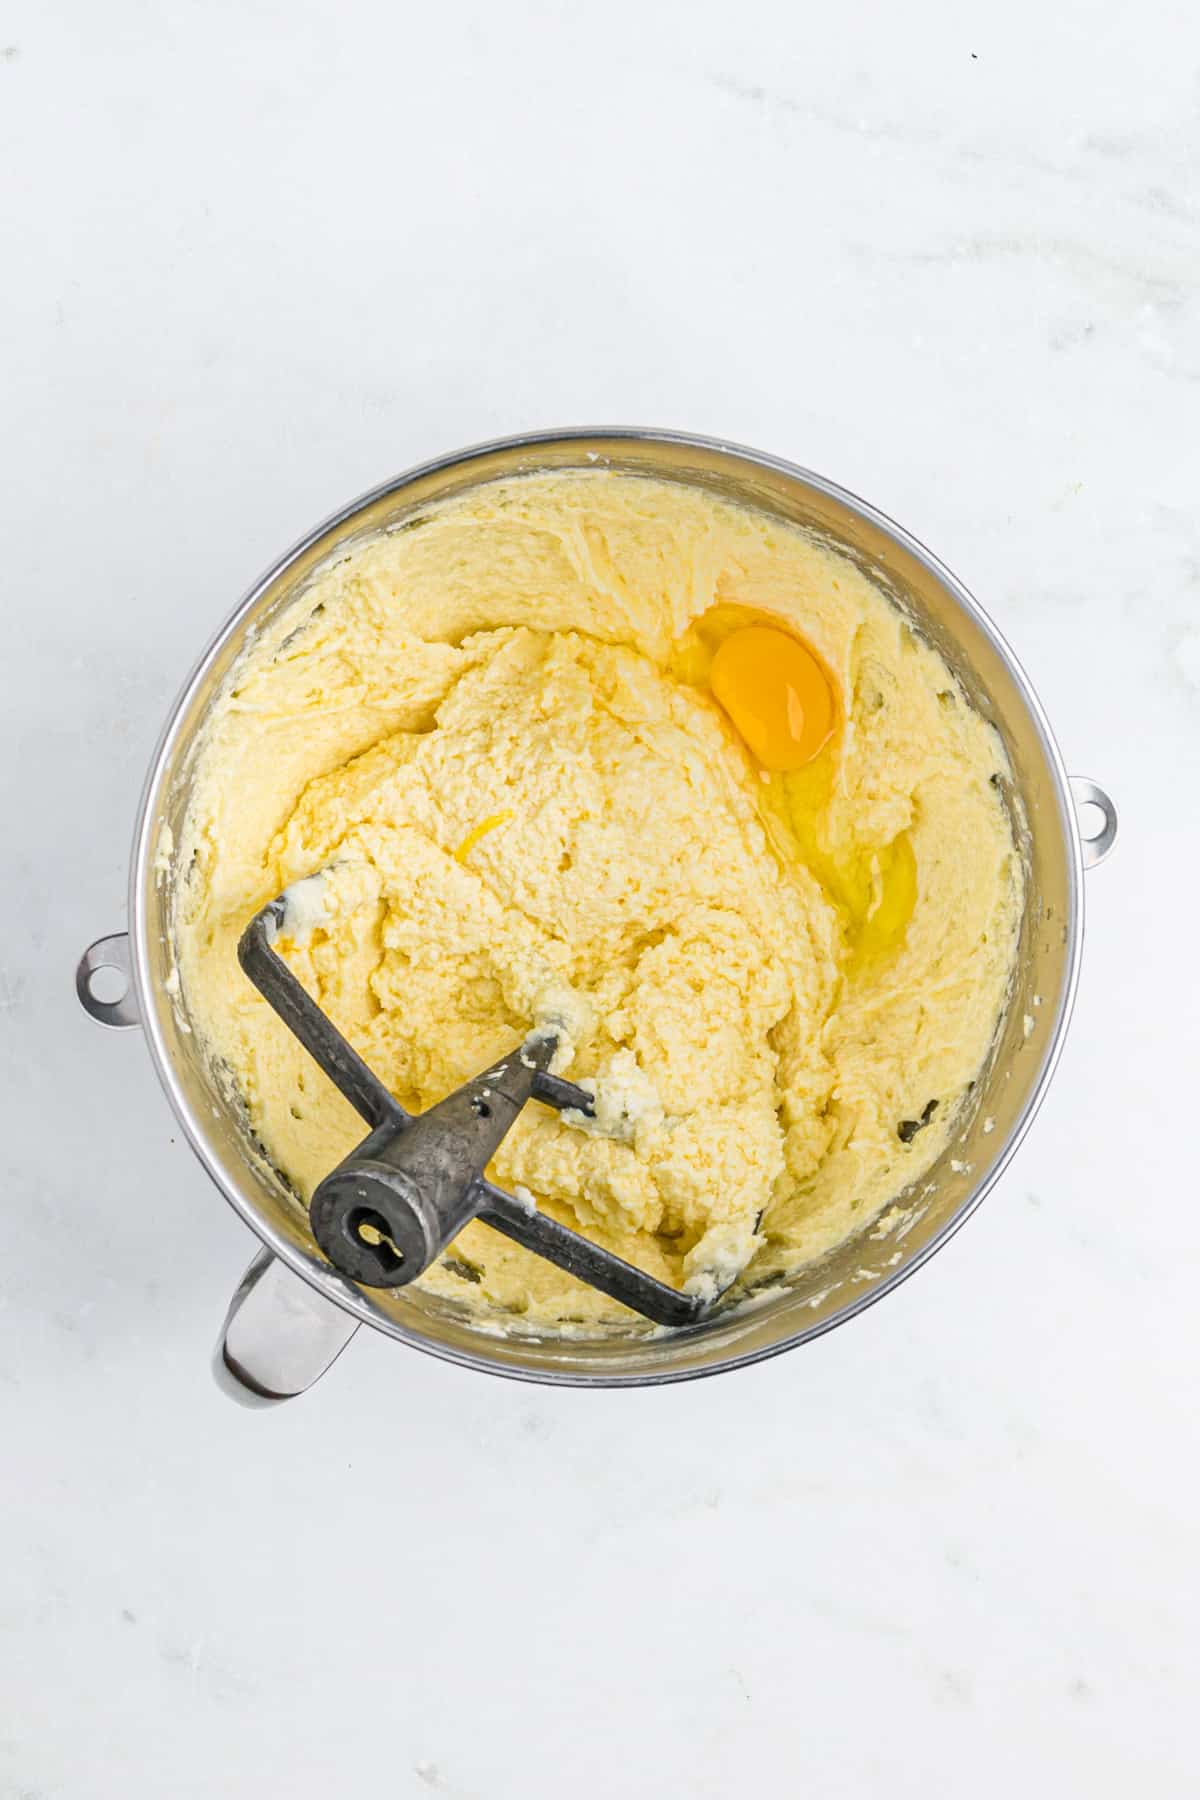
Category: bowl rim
[323,1279]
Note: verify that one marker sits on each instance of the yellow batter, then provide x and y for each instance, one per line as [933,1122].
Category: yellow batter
[496,723]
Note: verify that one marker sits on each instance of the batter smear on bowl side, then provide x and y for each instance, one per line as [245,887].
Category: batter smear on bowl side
[611,755]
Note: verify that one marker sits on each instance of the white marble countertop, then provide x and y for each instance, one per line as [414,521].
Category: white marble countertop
[260,256]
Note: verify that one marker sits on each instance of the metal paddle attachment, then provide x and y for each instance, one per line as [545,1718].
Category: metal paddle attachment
[390,1209]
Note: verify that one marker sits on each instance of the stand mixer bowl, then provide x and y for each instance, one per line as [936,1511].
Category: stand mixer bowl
[294,1313]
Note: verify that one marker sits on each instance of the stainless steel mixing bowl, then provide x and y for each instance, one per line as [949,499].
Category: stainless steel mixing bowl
[293,1314]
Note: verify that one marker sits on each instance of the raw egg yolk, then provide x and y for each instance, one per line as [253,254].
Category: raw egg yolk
[776,693]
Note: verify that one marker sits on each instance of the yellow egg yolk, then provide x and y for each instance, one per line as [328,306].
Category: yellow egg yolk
[491,823]
[776,694]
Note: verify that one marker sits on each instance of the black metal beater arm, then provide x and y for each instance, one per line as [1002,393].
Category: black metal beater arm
[568,1250]
[301,1014]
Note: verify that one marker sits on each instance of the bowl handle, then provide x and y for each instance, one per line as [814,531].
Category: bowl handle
[1097,844]
[279,1335]
[108,953]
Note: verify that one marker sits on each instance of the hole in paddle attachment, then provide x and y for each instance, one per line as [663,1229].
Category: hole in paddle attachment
[372,1228]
